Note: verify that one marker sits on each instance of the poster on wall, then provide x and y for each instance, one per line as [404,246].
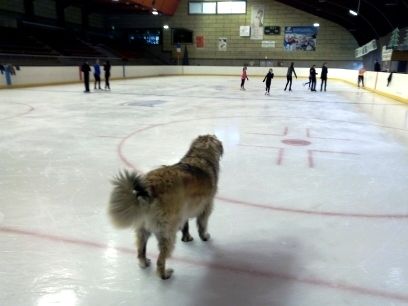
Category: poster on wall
[300,38]
[257,22]
[222,44]
[199,42]
[244,31]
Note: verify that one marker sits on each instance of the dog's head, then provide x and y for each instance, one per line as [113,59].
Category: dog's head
[209,142]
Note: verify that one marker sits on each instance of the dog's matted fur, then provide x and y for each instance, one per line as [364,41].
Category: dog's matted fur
[162,201]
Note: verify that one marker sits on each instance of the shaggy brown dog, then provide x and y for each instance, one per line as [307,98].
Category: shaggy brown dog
[162,201]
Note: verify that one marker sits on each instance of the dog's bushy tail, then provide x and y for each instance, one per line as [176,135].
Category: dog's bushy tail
[128,198]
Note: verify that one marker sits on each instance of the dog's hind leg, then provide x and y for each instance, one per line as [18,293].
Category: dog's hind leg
[202,222]
[186,234]
[142,237]
[166,246]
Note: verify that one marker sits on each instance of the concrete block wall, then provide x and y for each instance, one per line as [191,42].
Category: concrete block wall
[335,44]
[333,41]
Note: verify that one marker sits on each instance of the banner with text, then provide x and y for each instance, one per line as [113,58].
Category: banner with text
[367,48]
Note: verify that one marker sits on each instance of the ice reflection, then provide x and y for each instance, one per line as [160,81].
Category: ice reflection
[229,135]
[111,253]
[395,277]
[65,297]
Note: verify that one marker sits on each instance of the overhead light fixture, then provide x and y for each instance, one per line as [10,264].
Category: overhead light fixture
[316,24]
[166,27]
[155,12]
[354,13]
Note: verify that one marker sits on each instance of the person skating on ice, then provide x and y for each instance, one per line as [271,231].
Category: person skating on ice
[291,70]
[85,69]
[107,69]
[323,77]
[313,81]
[268,77]
[244,77]
[97,74]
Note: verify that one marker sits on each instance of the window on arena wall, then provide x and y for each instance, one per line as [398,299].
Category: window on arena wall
[216,7]
[145,36]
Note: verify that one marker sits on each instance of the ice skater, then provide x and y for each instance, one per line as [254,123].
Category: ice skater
[244,77]
[268,77]
[107,69]
[85,70]
[97,74]
[361,72]
[291,70]
[312,76]
[323,77]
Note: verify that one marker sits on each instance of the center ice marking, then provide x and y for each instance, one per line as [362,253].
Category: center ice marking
[299,143]
[296,142]
[151,103]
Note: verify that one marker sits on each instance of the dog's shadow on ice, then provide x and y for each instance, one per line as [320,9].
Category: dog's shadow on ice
[249,274]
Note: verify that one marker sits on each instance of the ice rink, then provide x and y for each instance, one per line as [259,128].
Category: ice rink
[312,207]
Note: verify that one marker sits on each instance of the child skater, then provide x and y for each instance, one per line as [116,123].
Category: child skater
[268,77]
[244,77]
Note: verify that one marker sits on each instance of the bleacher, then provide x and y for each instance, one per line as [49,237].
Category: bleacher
[64,42]
[15,41]
[42,45]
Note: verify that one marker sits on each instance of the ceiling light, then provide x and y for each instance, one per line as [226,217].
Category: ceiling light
[316,24]
[154,12]
[354,13]
[166,27]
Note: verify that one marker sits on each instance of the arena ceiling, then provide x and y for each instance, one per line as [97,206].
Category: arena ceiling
[376,18]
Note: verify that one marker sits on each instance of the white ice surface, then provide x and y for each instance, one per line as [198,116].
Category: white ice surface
[318,224]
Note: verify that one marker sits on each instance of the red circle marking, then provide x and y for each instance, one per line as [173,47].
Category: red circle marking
[257,205]
[296,142]
[28,110]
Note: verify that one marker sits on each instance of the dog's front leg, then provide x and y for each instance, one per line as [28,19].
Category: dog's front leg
[186,234]
[202,222]
[166,245]
[142,237]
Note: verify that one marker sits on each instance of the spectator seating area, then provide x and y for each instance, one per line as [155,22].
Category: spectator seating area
[59,46]
[17,41]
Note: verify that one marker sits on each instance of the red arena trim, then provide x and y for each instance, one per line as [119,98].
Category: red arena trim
[327,284]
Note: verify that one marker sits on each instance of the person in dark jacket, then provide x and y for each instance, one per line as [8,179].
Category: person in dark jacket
[107,69]
[312,76]
[377,66]
[86,69]
[268,77]
[291,70]
[323,77]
